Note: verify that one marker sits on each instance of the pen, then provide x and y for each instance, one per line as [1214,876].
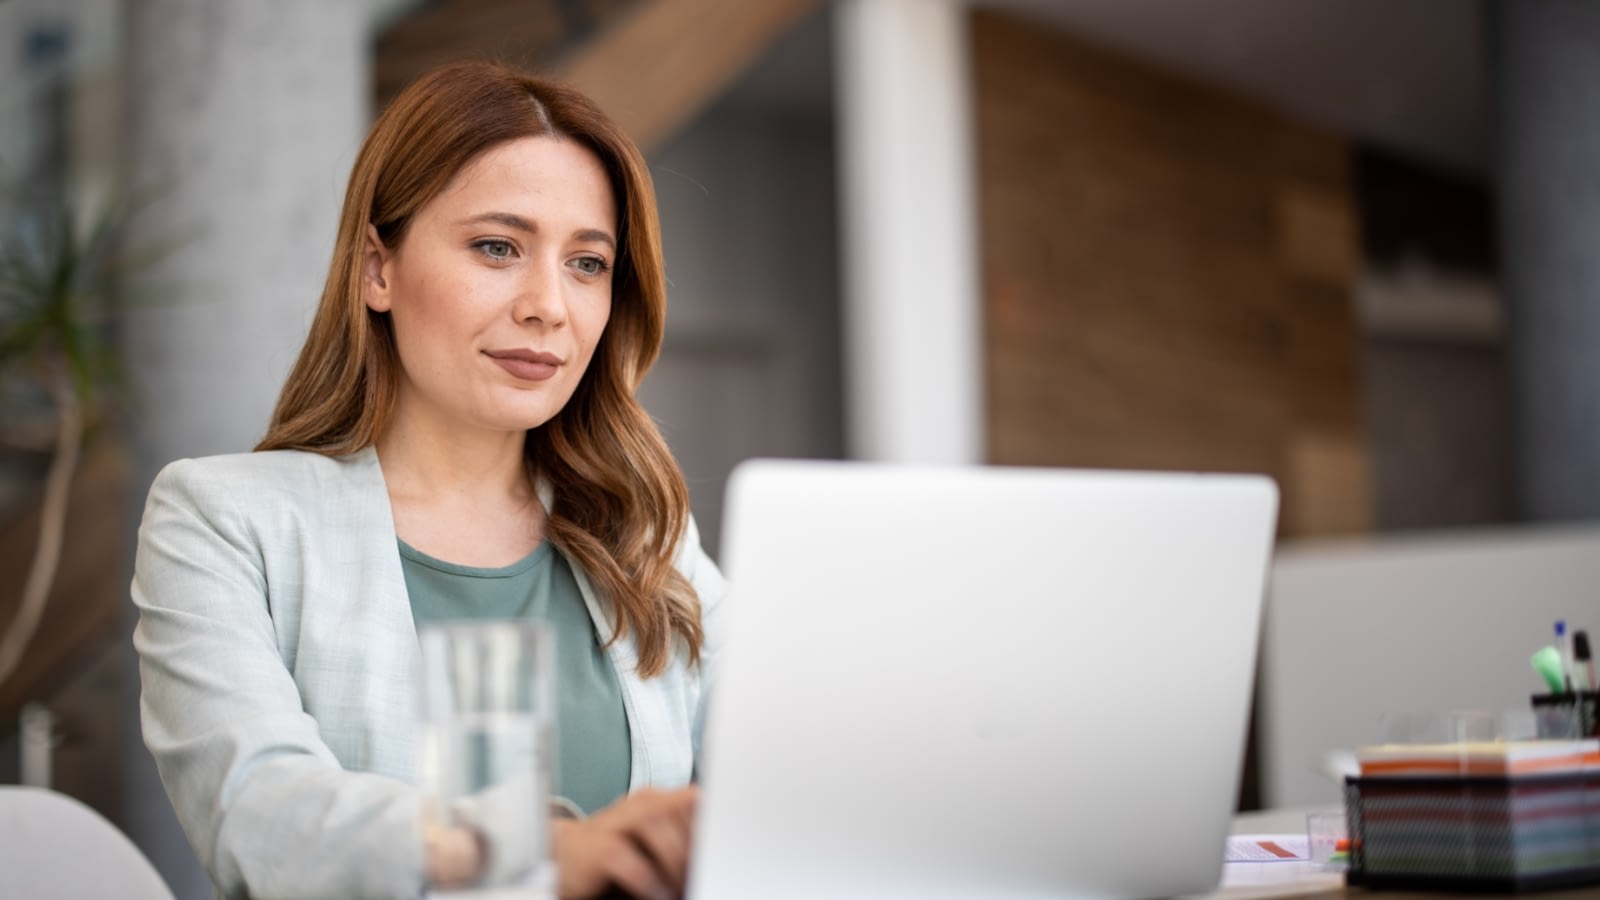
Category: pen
[1564,647]
[1580,656]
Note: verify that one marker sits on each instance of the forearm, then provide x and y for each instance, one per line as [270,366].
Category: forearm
[267,806]
[302,828]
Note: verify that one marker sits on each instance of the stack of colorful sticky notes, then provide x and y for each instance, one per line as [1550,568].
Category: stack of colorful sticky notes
[1492,758]
[1506,815]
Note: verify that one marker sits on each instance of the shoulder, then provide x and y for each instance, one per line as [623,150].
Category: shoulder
[270,471]
[262,483]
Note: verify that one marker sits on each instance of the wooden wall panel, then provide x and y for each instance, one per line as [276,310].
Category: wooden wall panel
[1168,276]
[90,589]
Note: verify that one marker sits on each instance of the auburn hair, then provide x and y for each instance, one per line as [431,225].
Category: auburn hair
[620,506]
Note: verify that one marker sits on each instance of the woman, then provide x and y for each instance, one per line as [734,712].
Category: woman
[462,414]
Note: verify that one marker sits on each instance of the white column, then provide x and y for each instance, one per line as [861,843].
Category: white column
[913,329]
[243,118]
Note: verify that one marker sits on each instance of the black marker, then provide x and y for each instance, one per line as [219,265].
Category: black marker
[1580,655]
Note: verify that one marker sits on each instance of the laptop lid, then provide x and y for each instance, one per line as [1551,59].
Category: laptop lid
[979,682]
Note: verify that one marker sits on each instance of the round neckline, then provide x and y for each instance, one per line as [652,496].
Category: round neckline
[538,554]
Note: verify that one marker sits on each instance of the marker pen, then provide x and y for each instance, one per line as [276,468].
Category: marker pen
[1547,662]
[1582,659]
[1564,645]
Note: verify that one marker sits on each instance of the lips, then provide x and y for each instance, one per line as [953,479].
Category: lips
[526,365]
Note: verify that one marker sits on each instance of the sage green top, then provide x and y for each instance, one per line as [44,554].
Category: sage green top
[592,759]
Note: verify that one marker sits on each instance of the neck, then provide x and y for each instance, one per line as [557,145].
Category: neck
[442,464]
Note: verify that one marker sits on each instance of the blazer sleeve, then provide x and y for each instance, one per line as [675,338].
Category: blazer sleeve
[711,588]
[266,806]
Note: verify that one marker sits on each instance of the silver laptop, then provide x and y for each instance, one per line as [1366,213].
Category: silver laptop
[979,682]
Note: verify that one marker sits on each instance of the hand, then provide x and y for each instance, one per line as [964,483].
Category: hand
[639,844]
[454,855]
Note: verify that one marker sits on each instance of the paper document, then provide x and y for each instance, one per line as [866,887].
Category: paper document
[1268,848]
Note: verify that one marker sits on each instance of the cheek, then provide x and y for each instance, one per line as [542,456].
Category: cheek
[428,322]
[595,328]
[434,304]
[588,333]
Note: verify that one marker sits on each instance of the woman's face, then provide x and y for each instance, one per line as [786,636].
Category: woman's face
[501,287]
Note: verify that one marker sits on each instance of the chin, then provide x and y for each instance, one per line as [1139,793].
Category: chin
[527,420]
[524,416]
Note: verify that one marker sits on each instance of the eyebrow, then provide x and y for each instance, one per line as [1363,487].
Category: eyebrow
[512,220]
[596,235]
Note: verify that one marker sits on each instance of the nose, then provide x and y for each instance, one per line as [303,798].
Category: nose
[541,296]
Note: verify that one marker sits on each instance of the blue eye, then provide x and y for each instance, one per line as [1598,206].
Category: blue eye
[495,249]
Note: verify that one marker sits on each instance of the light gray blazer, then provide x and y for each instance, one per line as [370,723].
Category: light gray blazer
[279,668]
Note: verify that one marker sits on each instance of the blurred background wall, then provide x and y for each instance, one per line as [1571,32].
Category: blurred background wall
[1168,276]
[1297,237]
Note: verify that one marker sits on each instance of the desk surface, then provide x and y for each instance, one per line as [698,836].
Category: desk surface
[1312,884]
[1344,893]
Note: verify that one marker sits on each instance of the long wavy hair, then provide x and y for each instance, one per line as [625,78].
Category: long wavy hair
[620,503]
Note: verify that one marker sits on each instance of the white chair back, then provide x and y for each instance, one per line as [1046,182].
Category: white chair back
[53,847]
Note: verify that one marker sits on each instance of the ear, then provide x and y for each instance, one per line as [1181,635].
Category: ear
[375,262]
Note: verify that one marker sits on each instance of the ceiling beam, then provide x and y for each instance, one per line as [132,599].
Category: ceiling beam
[518,32]
[662,63]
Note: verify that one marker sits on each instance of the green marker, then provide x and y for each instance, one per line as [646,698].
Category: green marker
[1547,662]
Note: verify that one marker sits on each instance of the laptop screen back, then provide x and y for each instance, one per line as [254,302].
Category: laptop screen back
[979,681]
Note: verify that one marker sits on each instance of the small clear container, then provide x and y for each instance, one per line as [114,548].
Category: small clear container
[1327,838]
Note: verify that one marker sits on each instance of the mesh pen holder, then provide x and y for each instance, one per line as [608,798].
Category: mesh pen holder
[1566,715]
[1505,834]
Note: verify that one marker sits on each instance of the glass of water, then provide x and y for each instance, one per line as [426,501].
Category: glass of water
[488,713]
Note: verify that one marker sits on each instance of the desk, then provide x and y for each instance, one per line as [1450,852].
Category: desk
[1310,884]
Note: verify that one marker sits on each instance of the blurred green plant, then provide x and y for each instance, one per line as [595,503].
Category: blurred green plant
[63,278]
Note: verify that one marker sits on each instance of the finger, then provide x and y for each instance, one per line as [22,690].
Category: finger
[687,806]
[679,803]
[684,803]
[629,868]
[665,837]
